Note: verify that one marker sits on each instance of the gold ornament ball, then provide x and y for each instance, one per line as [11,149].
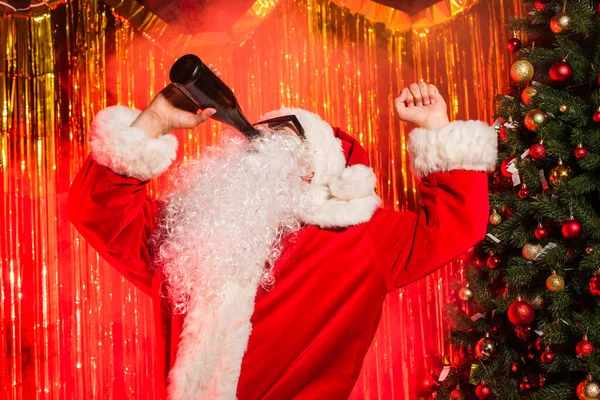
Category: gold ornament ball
[465,294]
[590,391]
[521,71]
[555,283]
[563,108]
[535,119]
[528,94]
[560,173]
[537,302]
[560,23]
[531,250]
[495,218]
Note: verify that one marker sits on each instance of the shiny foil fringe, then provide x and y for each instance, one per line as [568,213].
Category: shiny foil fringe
[71,326]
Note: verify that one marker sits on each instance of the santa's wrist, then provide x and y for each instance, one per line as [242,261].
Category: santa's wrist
[436,123]
[151,124]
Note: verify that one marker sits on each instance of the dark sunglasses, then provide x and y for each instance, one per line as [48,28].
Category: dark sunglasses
[285,120]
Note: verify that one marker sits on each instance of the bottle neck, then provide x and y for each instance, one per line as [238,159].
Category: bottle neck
[237,119]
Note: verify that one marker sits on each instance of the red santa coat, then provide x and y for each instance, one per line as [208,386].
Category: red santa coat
[311,331]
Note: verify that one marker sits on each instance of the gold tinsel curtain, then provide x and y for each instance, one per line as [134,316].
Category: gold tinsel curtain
[73,328]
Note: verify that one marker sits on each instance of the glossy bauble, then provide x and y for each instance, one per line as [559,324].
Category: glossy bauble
[560,72]
[538,151]
[528,94]
[465,294]
[483,391]
[530,250]
[584,348]
[493,261]
[560,173]
[520,313]
[572,229]
[555,283]
[523,192]
[513,44]
[547,356]
[495,218]
[580,152]
[560,23]
[535,119]
[540,232]
[485,348]
[521,71]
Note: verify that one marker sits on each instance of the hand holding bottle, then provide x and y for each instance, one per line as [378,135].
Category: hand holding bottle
[168,111]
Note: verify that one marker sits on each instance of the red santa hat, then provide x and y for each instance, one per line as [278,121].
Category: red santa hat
[343,187]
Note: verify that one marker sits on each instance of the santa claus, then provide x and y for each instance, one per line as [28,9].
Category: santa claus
[268,261]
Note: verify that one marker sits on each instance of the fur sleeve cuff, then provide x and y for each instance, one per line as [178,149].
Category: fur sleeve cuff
[127,150]
[467,145]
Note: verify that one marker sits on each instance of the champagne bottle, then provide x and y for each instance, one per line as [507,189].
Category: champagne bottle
[205,90]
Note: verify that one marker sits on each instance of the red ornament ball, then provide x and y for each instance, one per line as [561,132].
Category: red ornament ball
[515,368]
[513,44]
[571,254]
[541,6]
[493,261]
[483,391]
[456,394]
[589,250]
[520,313]
[503,133]
[580,152]
[560,72]
[540,232]
[504,165]
[525,386]
[523,332]
[579,390]
[542,381]
[524,192]
[547,357]
[596,117]
[571,229]
[538,151]
[595,285]
[584,348]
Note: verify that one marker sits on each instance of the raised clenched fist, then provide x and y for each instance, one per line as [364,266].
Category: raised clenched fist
[423,105]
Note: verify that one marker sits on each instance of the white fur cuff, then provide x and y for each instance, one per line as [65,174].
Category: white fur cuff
[466,145]
[127,150]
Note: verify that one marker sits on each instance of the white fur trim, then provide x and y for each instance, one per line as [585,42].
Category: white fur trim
[354,182]
[212,345]
[338,196]
[327,211]
[127,150]
[467,145]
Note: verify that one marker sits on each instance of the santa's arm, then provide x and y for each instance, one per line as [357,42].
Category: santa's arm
[108,202]
[452,164]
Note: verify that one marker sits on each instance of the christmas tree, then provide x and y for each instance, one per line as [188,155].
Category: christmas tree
[526,324]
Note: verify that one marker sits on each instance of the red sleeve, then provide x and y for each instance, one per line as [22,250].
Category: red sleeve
[452,164]
[452,219]
[108,203]
[114,214]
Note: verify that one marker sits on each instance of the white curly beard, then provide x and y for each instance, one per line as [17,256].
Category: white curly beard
[226,216]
